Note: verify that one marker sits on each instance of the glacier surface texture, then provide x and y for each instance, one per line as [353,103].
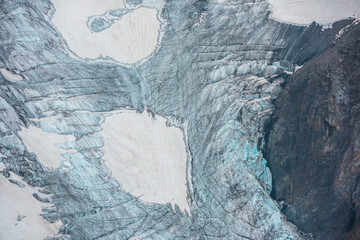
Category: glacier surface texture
[145,119]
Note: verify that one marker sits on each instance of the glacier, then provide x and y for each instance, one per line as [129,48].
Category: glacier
[214,71]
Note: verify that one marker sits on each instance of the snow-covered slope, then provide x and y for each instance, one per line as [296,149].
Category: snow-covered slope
[307,11]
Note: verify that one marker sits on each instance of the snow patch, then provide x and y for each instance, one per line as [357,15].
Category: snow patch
[146,157]
[20,213]
[304,12]
[45,145]
[10,76]
[298,67]
[128,40]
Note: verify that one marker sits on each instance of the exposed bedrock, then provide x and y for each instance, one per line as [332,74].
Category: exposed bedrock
[313,145]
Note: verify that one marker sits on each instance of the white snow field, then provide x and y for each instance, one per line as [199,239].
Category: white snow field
[304,12]
[128,40]
[147,158]
[20,212]
[43,144]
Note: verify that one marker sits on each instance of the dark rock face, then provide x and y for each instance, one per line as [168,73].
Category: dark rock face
[313,143]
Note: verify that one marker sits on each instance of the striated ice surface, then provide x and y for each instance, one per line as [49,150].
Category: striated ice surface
[215,75]
[98,23]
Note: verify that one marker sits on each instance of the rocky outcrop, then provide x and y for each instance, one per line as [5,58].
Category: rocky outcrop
[313,143]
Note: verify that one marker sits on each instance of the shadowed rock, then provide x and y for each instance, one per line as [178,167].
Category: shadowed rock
[313,144]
